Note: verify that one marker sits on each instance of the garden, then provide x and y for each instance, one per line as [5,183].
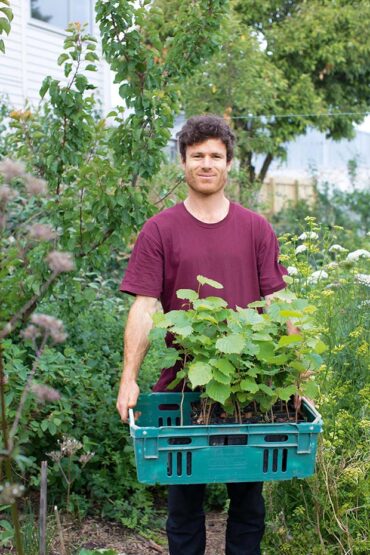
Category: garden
[76,188]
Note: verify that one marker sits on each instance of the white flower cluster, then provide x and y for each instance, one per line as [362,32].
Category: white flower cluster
[356,255]
[317,276]
[292,270]
[308,235]
[337,248]
[364,279]
[300,248]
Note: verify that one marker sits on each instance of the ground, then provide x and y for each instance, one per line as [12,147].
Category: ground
[97,534]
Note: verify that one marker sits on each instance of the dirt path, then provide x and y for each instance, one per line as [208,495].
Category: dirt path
[97,534]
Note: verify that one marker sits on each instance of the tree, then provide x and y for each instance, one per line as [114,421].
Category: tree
[287,65]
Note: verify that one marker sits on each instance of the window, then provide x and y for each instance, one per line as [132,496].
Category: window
[60,13]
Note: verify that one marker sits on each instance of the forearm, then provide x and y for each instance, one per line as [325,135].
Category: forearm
[136,337]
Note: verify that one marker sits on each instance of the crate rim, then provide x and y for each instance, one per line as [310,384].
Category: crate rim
[317,421]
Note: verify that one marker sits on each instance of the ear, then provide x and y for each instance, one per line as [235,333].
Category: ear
[229,164]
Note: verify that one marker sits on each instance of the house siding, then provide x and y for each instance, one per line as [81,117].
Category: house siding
[31,52]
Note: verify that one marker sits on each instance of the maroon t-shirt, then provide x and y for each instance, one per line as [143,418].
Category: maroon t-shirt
[173,248]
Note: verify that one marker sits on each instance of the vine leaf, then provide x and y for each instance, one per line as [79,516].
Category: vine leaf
[211,282]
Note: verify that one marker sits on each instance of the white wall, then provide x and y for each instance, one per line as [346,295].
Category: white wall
[31,52]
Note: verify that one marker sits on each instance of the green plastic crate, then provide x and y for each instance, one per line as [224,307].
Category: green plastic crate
[167,453]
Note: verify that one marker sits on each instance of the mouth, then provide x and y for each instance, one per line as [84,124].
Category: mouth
[206,176]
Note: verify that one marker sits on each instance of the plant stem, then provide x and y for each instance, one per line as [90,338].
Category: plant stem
[43,507]
[60,532]
[8,469]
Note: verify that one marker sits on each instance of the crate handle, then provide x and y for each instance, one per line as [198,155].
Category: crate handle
[131,418]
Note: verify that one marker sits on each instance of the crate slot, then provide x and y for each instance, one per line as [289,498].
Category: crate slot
[160,421]
[275,455]
[277,438]
[188,463]
[231,439]
[265,460]
[169,421]
[178,421]
[284,462]
[179,440]
[169,464]
[171,406]
[179,463]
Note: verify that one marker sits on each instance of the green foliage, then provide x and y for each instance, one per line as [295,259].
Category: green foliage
[6,17]
[242,356]
[285,66]
[150,68]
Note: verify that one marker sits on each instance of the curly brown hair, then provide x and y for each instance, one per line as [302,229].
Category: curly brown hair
[200,128]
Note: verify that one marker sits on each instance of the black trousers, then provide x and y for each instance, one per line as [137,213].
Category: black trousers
[186,520]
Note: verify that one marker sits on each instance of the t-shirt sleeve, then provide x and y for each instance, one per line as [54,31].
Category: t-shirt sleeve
[144,273]
[270,272]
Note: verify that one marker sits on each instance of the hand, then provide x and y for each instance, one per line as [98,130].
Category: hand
[127,398]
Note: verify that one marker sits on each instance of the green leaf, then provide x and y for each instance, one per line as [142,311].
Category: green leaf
[250,316]
[233,343]
[286,340]
[266,351]
[4,25]
[200,373]
[310,389]
[183,331]
[221,377]
[320,347]
[266,389]
[91,67]
[285,393]
[45,86]
[187,294]
[291,314]
[257,304]
[217,391]
[62,58]
[209,303]
[249,385]
[223,365]
[207,281]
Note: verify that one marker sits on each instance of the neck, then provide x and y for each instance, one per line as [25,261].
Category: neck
[208,209]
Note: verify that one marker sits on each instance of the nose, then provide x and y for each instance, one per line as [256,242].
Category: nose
[207,162]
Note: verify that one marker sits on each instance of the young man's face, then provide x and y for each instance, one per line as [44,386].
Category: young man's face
[206,166]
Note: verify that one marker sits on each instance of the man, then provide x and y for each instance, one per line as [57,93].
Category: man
[211,236]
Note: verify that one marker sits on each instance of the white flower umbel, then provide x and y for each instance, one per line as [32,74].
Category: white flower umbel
[337,248]
[360,253]
[300,248]
[317,276]
[332,265]
[292,270]
[308,235]
[364,279]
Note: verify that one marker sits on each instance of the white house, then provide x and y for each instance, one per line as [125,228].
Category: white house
[34,44]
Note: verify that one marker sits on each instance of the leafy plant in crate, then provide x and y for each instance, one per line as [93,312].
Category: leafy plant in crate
[243,361]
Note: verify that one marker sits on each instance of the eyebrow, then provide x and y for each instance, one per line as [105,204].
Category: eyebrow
[198,153]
